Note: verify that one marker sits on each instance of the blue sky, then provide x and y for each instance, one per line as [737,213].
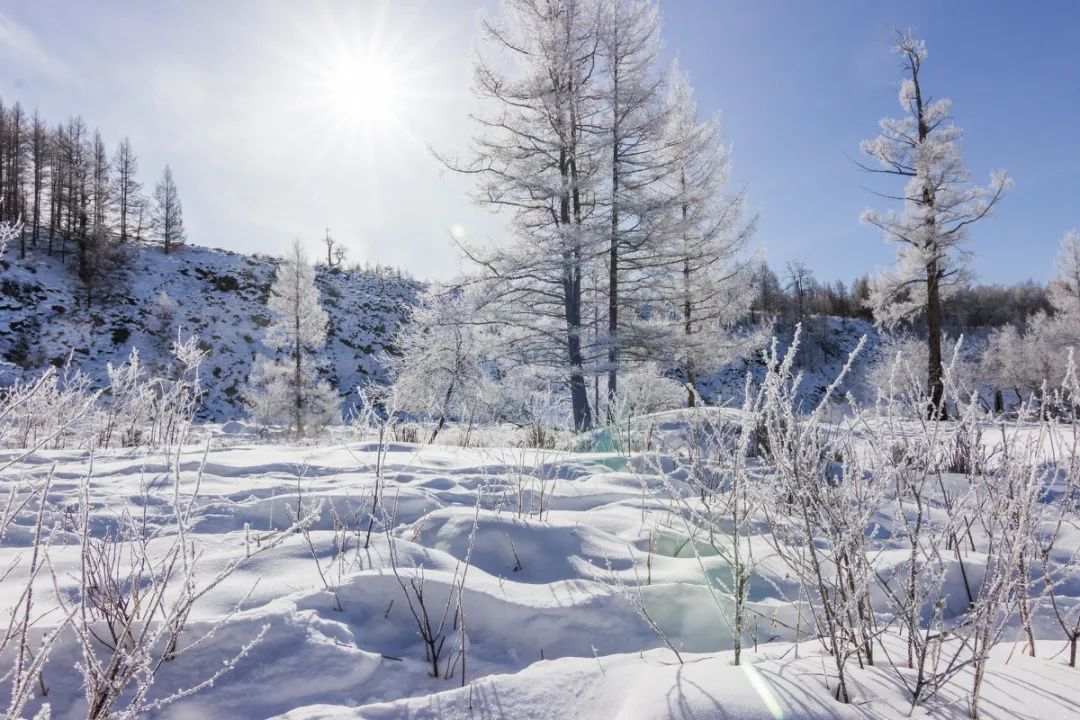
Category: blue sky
[800,84]
[239,96]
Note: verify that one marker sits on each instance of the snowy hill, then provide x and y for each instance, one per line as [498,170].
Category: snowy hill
[824,347]
[217,294]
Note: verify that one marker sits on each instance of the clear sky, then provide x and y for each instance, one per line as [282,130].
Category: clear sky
[253,104]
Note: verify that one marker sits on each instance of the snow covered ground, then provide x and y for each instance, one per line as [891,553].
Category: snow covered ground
[559,552]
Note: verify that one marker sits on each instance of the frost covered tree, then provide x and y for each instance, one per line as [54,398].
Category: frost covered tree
[1064,289]
[168,212]
[705,281]
[626,244]
[99,185]
[940,205]
[288,389]
[632,90]
[536,156]
[439,371]
[1034,358]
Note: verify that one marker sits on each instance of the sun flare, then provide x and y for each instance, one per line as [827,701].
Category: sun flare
[365,91]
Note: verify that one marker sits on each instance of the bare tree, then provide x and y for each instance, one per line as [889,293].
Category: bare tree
[126,190]
[39,155]
[330,243]
[799,282]
[168,212]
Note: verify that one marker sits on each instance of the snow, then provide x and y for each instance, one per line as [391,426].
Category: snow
[550,633]
[219,295]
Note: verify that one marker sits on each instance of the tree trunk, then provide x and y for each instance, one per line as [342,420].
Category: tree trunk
[688,309]
[570,208]
[935,381]
[613,301]
[442,415]
[613,252]
[935,372]
[299,399]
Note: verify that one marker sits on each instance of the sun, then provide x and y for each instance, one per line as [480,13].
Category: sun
[355,79]
[362,90]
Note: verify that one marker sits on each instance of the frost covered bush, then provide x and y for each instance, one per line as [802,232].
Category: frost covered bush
[537,405]
[61,408]
[8,233]
[894,529]
[900,369]
[139,580]
[138,584]
[438,371]
[643,390]
[48,411]
[162,320]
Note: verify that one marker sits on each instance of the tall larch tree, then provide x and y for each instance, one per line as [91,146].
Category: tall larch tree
[57,179]
[127,191]
[168,217]
[39,159]
[632,90]
[536,155]
[14,196]
[940,206]
[290,389]
[708,284]
[75,158]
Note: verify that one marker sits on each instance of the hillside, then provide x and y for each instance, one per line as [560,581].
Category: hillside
[825,344]
[219,295]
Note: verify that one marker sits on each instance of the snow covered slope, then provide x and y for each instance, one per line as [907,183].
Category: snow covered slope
[824,346]
[219,295]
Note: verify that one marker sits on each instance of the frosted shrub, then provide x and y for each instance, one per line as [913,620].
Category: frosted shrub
[8,233]
[901,368]
[642,391]
[439,372]
[131,403]
[537,405]
[942,533]
[61,408]
[725,496]
[131,616]
[179,393]
[162,320]
[821,510]
[49,411]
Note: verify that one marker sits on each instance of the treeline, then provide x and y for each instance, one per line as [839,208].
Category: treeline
[793,294]
[75,199]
